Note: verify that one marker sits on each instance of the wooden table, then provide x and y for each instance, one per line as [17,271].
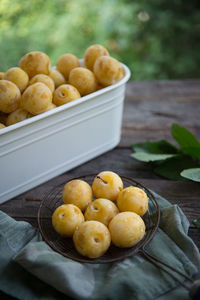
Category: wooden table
[150,109]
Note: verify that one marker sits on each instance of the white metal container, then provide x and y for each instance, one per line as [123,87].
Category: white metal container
[42,147]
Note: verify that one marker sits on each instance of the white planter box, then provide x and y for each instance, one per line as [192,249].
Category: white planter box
[42,147]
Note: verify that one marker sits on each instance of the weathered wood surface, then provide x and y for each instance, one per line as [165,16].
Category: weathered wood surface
[149,111]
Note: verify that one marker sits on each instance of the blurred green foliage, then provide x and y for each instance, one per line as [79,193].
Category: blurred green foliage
[157,39]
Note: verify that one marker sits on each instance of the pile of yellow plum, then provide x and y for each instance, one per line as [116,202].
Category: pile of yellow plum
[115,214]
[35,87]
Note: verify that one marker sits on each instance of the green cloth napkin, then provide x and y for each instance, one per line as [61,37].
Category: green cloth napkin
[30,269]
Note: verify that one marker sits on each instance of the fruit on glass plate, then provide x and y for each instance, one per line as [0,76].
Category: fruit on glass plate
[17,76]
[35,62]
[102,210]
[133,199]
[66,218]
[103,221]
[9,96]
[17,116]
[84,80]
[36,98]
[57,77]
[107,185]
[126,229]
[65,93]
[92,239]
[92,53]
[108,70]
[77,192]
[66,63]
[44,79]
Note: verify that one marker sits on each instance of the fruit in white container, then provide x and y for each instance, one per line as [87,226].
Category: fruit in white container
[17,76]
[65,93]
[66,63]
[108,70]
[44,79]
[9,96]
[92,53]
[17,116]
[84,80]
[35,62]
[57,77]
[36,98]
[2,126]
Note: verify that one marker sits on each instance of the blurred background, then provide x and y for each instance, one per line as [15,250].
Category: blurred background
[157,39]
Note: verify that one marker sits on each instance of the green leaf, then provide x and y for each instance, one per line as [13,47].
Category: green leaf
[196,222]
[140,147]
[184,137]
[160,147]
[147,157]
[172,167]
[192,151]
[193,174]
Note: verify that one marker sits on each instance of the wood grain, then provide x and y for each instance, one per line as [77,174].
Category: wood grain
[164,90]
[149,111]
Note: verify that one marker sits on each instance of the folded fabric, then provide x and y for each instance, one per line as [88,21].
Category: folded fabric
[30,269]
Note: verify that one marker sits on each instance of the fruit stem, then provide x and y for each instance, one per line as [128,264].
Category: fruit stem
[102,179]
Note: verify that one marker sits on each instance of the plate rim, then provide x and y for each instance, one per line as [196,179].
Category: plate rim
[99,259]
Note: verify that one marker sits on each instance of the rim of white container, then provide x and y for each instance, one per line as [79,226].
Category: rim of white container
[68,105]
